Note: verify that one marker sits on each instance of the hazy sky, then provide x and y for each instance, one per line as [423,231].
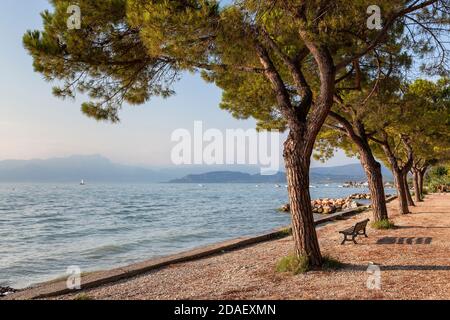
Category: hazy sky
[34,124]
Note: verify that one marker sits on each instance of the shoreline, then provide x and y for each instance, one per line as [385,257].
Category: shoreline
[95,279]
[416,248]
[141,222]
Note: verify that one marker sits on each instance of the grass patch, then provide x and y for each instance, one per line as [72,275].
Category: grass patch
[83,296]
[383,224]
[329,263]
[297,265]
[286,232]
[293,264]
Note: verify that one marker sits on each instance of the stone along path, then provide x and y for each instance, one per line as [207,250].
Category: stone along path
[414,260]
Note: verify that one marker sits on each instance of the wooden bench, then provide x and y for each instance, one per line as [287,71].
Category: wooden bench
[358,229]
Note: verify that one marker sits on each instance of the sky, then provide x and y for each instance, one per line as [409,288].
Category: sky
[35,124]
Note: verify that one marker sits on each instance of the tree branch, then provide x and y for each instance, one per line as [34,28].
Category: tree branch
[384,32]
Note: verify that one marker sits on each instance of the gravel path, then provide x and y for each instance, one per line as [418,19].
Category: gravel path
[414,260]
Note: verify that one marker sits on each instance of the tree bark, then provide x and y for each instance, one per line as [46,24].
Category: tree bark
[401,192]
[398,178]
[417,191]
[400,172]
[422,172]
[420,178]
[304,125]
[297,172]
[372,169]
[408,193]
[356,132]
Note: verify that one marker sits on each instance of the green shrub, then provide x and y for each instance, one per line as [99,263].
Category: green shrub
[437,177]
[293,264]
[83,296]
[296,265]
[383,224]
[286,232]
[439,171]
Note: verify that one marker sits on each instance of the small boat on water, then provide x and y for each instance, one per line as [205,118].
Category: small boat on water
[277,186]
[82,183]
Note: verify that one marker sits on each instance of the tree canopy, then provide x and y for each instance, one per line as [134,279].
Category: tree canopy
[129,51]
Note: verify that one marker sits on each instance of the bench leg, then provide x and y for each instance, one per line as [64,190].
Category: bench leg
[345,239]
[353,239]
[365,234]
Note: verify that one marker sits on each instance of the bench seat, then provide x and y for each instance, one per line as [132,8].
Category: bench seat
[358,229]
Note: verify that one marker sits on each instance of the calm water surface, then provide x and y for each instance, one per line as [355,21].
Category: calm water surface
[44,228]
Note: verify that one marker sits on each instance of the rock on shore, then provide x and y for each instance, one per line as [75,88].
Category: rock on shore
[355,184]
[4,291]
[328,206]
[360,196]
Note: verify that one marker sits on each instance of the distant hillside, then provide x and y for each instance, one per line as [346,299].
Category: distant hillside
[100,169]
[73,169]
[353,172]
[231,177]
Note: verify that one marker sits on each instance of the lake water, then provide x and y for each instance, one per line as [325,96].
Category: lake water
[44,228]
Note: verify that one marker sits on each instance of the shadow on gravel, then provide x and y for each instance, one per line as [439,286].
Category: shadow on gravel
[354,267]
[405,240]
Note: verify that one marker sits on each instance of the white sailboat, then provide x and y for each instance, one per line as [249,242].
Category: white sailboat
[82,182]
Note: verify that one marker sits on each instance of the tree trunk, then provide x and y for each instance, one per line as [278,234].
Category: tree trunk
[303,227]
[372,169]
[417,191]
[304,124]
[408,193]
[401,192]
[399,178]
[357,133]
[421,179]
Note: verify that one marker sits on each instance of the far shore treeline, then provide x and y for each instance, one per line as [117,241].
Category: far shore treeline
[316,69]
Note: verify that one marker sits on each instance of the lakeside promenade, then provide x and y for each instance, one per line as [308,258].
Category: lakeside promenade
[414,260]
[414,263]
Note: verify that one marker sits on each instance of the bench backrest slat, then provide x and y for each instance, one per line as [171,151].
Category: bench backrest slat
[360,225]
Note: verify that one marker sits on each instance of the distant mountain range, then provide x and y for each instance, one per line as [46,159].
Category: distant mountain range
[72,169]
[96,168]
[351,172]
[231,177]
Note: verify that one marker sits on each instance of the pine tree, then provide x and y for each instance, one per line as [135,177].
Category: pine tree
[276,61]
